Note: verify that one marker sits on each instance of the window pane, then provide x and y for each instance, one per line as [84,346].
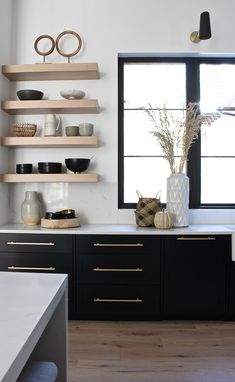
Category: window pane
[218,139]
[137,137]
[154,83]
[148,175]
[217,86]
[218,184]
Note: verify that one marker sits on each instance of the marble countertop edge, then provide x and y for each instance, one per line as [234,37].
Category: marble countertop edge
[121,229]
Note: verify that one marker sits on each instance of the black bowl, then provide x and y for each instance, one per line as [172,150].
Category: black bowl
[64,214]
[24,168]
[77,165]
[49,167]
[29,94]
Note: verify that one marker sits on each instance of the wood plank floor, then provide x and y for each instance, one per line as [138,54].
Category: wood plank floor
[166,351]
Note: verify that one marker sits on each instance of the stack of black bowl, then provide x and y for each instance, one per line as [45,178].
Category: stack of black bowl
[49,167]
[63,214]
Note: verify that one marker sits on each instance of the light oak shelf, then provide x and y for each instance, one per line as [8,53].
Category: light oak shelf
[50,178]
[40,72]
[60,106]
[63,141]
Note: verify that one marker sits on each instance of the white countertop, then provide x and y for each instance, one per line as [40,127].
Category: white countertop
[27,301]
[121,229]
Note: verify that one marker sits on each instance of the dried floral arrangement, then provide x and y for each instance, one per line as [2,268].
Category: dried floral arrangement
[176,135]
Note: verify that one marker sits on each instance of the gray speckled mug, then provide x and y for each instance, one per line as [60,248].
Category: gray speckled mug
[71,130]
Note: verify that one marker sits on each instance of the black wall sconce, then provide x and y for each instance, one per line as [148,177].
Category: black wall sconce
[204,32]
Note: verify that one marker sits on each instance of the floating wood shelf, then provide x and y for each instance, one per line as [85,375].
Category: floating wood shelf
[77,141]
[60,106]
[50,178]
[40,72]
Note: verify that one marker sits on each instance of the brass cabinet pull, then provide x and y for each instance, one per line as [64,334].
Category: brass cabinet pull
[118,245]
[196,238]
[31,268]
[28,243]
[118,270]
[136,300]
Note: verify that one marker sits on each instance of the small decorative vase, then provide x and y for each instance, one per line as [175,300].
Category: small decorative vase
[31,209]
[178,199]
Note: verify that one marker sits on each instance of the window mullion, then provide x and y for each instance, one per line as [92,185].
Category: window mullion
[194,157]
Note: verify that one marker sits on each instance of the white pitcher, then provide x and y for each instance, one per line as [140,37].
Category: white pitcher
[51,125]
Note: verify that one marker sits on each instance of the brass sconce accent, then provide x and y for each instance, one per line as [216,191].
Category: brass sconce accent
[204,32]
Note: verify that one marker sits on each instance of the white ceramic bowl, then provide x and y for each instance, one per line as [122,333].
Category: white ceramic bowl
[72,94]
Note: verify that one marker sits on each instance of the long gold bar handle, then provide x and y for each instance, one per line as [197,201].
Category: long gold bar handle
[29,243]
[31,268]
[118,245]
[137,300]
[118,270]
[196,238]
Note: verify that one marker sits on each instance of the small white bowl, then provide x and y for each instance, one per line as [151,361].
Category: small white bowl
[72,94]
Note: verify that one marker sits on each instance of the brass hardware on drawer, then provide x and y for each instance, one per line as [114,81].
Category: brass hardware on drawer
[137,300]
[196,238]
[118,245]
[118,270]
[31,268]
[28,243]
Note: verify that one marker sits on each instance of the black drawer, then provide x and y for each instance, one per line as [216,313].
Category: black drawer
[119,269]
[56,263]
[123,244]
[36,243]
[38,262]
[118,302]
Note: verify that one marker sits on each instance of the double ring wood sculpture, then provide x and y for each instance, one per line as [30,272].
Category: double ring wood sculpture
[55,44]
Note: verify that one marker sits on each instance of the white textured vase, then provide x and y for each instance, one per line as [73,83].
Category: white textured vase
[178,199]
[31,209]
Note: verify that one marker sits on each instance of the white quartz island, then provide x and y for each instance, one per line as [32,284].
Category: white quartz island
[33,322]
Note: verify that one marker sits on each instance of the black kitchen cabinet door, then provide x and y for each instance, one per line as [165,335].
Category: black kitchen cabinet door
[195,276]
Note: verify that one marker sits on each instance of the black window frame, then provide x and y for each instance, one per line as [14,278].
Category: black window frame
[192,95]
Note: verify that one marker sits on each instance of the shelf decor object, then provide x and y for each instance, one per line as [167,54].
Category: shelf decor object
[44,54]
[68,55]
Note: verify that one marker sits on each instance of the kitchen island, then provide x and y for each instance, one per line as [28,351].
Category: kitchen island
[33,322]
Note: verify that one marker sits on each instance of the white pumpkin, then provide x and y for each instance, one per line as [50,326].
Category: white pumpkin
[163,219]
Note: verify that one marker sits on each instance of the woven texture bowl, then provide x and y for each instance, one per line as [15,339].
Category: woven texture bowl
[24,129]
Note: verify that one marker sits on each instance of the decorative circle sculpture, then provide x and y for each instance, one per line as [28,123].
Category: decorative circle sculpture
[72,53]
[44,54]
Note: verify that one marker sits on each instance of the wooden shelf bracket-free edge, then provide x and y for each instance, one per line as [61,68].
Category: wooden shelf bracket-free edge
[60,106]
[57,141]
[40,72]
[49,178]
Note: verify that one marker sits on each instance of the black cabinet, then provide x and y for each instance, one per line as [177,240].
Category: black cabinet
[118,277]
[132,277]
[195,276]
[39,253]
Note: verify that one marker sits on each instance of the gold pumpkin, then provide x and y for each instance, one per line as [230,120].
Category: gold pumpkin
[163,220]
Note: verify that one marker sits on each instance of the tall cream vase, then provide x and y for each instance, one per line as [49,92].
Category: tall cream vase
[178,199]
[31,209]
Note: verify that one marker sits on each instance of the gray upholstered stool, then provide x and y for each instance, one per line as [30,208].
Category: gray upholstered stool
[39,372]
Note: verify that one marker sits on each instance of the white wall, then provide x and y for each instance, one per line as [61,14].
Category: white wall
[107,27]
[5,49]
